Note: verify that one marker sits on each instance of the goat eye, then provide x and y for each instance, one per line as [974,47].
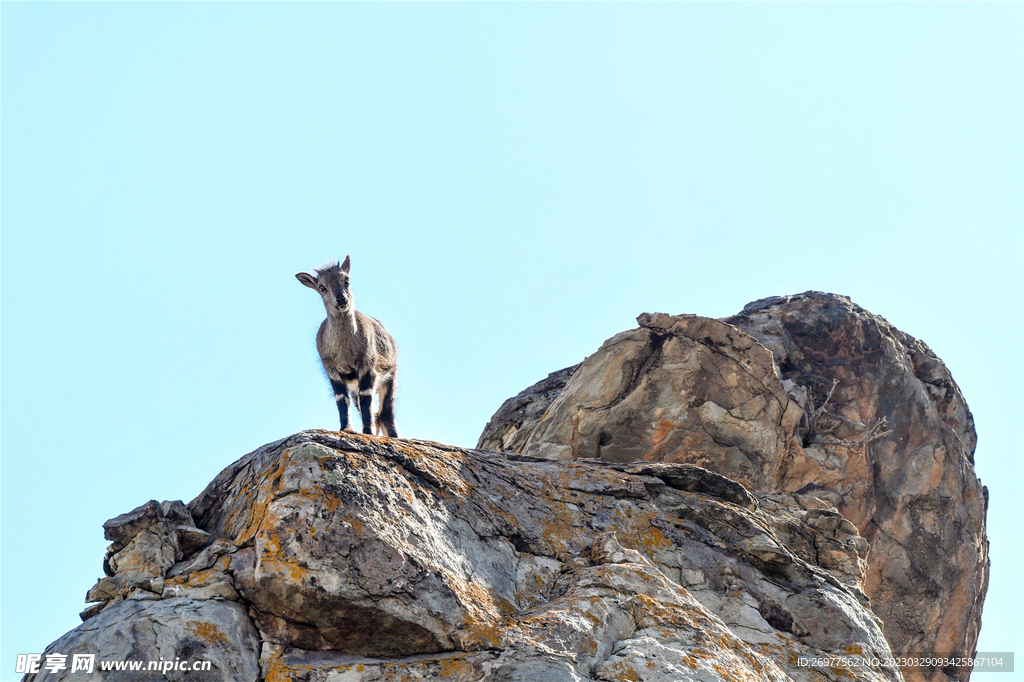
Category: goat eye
[323,288]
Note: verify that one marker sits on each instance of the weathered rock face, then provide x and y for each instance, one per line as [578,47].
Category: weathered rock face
[678,389]
[350,557]
[802,395]
[912,491]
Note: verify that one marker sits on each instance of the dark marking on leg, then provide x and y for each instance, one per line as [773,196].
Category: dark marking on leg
[387,408]
[366,401]
[341,397]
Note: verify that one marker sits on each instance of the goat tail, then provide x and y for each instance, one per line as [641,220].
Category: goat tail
[386,413]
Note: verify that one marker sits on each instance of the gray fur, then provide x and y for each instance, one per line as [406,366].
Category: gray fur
[358,354]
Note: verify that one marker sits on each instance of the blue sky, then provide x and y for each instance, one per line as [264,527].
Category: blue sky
[514,182]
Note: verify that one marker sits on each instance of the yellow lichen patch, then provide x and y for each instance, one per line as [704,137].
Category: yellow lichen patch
[273,559]
[199,578]
[443,465]
[487,634]
[451,667]
[176,581]
[622,672]
[656,614]
[208,632]
[652,541]
[325,501]
[249,510]
[560,529]
[273,669]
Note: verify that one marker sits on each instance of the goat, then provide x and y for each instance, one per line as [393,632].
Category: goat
[358,354]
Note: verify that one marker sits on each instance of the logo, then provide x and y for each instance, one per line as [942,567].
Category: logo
[30,663]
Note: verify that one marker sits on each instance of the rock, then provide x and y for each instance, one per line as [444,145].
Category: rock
[93,610]
[612,622]
[191,539]
[163,631]
[823,544]
[205,559]
[695,479]
[465,546]
[349,557]
[678,389]
[121,529]
[177,513]
[812,398]
[912,490]
[146,543]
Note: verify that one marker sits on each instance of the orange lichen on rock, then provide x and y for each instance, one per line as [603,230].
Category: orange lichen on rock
[662,429]
[454,667]
[208,632]
[361,559]
[273,558]
[478,635]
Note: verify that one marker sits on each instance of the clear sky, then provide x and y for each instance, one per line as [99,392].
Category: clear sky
[514,183]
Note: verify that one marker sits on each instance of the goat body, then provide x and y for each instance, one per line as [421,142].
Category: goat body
[357,352]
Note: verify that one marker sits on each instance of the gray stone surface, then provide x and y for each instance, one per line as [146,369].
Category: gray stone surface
[349,557]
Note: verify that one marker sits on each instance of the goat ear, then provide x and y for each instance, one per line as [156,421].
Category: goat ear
[346,265]
[307,279]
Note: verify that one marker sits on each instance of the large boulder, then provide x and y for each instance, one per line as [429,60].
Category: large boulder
[349,557]
[678,389]
[812,398]
[894,448]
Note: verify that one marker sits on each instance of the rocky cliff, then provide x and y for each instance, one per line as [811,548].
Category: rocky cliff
[806,394]
[590,537]
[330,556]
